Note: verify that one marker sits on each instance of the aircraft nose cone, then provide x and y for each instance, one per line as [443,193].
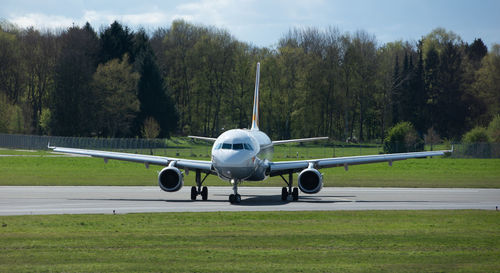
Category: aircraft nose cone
[230,164]
[232,159]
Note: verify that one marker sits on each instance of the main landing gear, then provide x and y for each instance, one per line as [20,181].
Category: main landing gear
[235,198]
[198,190]
[286,191]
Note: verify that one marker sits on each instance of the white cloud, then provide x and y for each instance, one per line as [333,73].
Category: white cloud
[42,21]
[211,12]
[248,20]
[147,18]
[96,18]
[217,12]
[264,21]
[150,18]
[239,17]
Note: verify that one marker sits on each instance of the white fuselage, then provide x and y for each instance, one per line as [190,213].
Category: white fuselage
[242,154]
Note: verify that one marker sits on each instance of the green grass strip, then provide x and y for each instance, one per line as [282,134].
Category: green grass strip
[341,241]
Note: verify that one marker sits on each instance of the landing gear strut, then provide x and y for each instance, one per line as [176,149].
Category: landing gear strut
[235,198]
[286,191]
[198,190]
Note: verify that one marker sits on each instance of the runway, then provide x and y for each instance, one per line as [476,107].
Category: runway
[28,200]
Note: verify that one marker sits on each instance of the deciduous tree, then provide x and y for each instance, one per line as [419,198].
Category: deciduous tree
[114,85]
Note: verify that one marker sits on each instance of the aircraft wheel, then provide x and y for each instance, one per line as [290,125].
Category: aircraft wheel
[234,198]
[295,194]
[194,193]
[204,194]
[284,194]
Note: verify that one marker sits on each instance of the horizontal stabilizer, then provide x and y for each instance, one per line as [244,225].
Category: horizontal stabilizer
[299,140]
[210,139]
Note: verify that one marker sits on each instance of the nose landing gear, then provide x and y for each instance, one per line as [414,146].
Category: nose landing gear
[235,198]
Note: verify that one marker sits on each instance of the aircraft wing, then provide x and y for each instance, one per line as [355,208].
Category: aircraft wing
[282,167]
[205,166]
[209,139]
[298,140]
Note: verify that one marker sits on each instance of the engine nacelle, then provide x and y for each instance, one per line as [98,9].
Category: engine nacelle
[170,179]
[310,181]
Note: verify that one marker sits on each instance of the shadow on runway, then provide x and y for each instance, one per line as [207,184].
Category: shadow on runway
[257,200]
[246,200]
[275,200]
[300,197]
[261,200]
[251,201]
[397,201]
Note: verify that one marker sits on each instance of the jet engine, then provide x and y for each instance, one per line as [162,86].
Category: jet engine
[170,179]
[310,181]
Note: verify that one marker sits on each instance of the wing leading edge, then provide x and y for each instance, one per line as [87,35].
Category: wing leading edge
[205,166]
[282,167]
[209,139]
[276,142]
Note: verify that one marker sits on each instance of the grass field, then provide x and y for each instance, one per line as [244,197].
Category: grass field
[431,172]
[369,241]
[23,152]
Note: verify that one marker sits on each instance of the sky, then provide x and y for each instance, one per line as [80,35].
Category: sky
[263,23]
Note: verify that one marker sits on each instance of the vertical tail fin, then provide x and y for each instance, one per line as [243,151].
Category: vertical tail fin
[255,115]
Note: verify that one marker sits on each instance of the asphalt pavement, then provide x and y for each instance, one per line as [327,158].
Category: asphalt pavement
[26,200]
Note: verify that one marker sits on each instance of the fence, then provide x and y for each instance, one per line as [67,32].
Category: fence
[188,148]
[163,147]
[33,142]
[476,150]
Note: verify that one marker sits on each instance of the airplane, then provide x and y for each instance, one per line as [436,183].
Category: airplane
[245,155]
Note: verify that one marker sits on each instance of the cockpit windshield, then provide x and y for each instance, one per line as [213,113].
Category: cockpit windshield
[248,146]
[238,146]
[235,146]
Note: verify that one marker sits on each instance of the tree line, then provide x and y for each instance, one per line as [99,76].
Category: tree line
[196,79]
[81,83]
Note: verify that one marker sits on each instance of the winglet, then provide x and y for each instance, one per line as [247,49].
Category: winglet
[255,115]
[50,147]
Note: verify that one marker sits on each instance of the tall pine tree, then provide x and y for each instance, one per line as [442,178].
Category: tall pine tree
[153,97]
[116,41]
[419,96]
[451,117]
[395,93]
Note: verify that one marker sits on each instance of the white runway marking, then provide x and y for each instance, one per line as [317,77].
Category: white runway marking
[82,200]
